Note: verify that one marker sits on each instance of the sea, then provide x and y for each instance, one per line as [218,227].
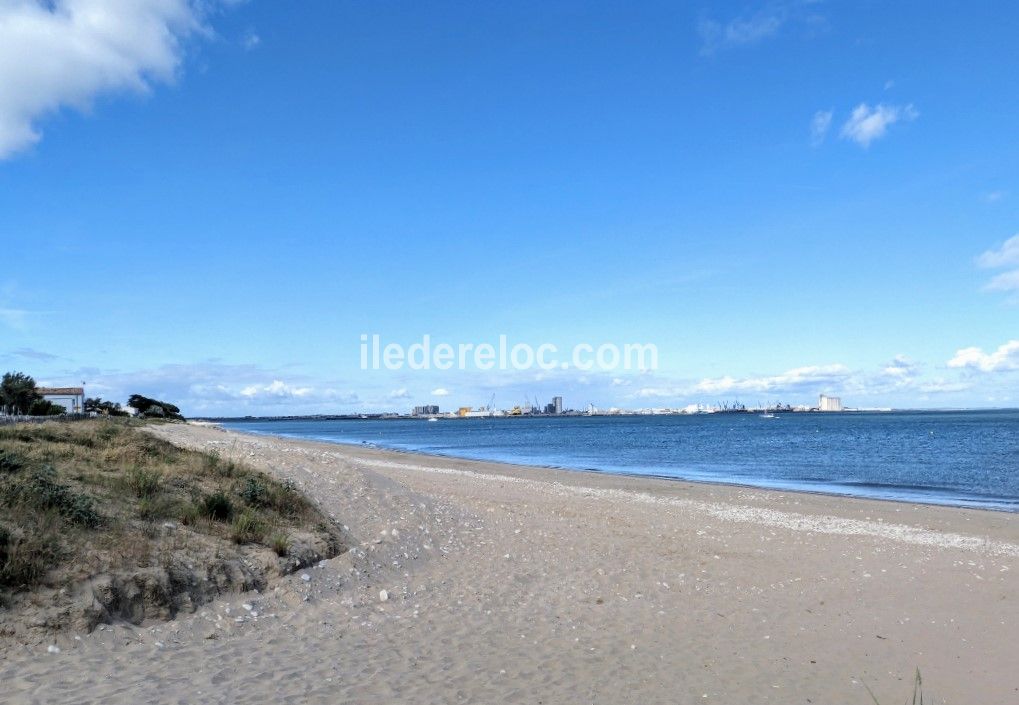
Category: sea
[960,458]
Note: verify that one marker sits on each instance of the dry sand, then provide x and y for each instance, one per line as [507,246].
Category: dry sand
[507,584]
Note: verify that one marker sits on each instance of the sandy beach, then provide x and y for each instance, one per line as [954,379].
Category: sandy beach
[485,583]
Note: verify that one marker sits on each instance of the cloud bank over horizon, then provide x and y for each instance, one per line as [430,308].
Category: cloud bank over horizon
[214,388]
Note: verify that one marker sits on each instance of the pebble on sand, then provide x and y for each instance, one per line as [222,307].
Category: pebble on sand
[53,649]
[383,595]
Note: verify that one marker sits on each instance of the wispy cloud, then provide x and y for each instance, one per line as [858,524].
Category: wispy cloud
[251,40]
[65,53]
[748,28]
[993,196]
[796,379]
[867,124]
[819,125]
[1006,357]
[901,369]
[399,394]
[1004,257]
[277,389]
[32,354]
[1006,281]
[901,375]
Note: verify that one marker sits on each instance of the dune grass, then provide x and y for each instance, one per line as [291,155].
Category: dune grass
[77,499]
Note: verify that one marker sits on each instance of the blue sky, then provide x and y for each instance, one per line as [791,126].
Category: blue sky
[211,204]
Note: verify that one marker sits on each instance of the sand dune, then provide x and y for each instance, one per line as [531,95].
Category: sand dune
[484,583]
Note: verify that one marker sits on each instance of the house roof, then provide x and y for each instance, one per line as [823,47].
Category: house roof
[61,391]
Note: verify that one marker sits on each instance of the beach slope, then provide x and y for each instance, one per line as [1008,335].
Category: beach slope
[487,583]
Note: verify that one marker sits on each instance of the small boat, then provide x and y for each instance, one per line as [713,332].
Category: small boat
[767,415]
[432,418]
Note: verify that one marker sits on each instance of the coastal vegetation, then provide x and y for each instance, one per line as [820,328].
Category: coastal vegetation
[101,521]
[153,408]
[98,406]
[19,395]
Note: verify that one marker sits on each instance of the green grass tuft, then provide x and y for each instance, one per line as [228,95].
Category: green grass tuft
[247,528]
[280,543]
[144,482]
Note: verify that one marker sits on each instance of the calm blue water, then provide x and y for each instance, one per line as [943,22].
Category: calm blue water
[968,458]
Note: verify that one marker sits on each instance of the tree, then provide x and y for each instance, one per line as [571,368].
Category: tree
[18,392]
[153,408]
[44,407]
[107,408]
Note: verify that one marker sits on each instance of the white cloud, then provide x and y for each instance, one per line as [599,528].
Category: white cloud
[738,31]
[819,126]
[400,393]
[900,366]
[748,29]
[659,392]
[1005,256]
[867,124]
[794,380]
[753,28]
[1006,357]
[900,372]
[897,377]
[1006,281]
[440,392]
[61,53]
[277,389]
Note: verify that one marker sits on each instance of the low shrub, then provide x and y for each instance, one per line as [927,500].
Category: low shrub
[9,462]
[254,492]
[40,489]
[218,506]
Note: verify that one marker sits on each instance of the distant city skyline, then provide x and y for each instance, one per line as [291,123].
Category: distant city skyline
[211,204]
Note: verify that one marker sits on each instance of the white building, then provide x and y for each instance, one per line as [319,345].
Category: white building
[826,403]
[71,398]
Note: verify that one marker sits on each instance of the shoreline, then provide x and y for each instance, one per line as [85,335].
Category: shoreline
[759,497]
[793,488]
[470,581]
